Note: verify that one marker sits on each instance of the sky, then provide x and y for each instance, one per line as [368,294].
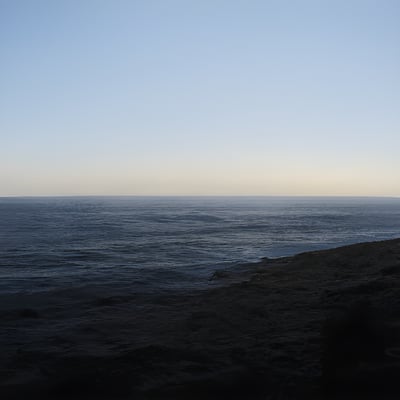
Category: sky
[210,97]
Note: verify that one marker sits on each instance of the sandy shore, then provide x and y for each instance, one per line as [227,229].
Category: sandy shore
[317,325]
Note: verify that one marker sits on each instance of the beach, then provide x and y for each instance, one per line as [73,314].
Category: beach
[322,324]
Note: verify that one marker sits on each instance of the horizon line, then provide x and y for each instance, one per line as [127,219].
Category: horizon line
[204,195]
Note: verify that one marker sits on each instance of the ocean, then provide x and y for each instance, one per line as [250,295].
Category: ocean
[152,244]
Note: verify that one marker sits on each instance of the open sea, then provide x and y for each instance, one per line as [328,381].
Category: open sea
[169,243]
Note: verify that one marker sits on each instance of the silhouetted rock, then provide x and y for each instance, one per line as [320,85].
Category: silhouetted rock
[28,313]
[318,325]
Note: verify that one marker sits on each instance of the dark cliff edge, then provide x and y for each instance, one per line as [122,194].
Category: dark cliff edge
[317,325]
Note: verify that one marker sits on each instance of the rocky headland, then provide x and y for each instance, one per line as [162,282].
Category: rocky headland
[319,325]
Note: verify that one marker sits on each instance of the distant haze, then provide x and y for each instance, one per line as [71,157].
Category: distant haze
[200,97]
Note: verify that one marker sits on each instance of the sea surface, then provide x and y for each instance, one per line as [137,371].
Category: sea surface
[171,243]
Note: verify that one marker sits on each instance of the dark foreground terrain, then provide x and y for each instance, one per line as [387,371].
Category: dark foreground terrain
[320,325]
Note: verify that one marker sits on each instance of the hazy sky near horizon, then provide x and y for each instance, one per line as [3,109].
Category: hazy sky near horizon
[200,97]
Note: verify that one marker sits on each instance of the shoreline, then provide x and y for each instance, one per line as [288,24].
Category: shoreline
[318,324]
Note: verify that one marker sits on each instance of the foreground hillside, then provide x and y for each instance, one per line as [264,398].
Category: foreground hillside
[317,325]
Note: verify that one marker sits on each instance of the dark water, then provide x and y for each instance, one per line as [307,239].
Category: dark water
[165,242]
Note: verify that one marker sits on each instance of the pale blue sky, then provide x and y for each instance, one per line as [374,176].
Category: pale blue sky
[200,97]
